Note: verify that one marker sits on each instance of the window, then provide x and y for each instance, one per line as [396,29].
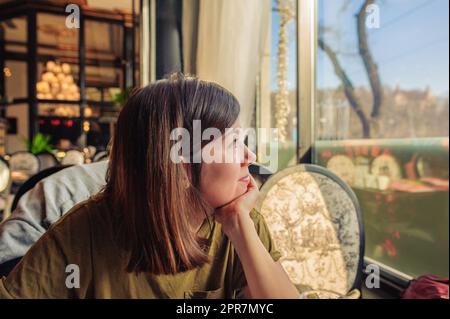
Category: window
[277,98]
[381,123]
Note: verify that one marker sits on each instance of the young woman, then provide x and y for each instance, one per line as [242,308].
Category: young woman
[162,228]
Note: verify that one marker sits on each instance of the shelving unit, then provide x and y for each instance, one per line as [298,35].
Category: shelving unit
[102,54]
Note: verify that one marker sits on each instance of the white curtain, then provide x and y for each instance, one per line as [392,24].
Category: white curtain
[223,41]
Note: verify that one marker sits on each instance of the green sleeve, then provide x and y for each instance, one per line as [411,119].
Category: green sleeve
[40,273]
[58,265]
[262,229]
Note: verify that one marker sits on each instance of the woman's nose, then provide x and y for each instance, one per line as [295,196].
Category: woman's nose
[249,157]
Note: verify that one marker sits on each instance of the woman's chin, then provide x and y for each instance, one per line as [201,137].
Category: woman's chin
[241,189]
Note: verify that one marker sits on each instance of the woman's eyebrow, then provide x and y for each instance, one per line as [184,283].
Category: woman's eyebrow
[233,132]
[229,132]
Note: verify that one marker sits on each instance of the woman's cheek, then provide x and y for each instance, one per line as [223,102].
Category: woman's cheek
[220,183]
[220,195]
[229,180]
[240,190]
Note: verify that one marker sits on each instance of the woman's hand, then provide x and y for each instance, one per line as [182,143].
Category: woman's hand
[265,277]
[236,214]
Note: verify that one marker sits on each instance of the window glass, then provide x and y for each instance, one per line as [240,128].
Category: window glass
[277,94]
[381,123]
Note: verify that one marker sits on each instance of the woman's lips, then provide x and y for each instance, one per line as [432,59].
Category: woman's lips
[245,179]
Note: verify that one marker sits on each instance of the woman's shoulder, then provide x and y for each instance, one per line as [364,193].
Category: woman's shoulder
[80,219]
[68,242]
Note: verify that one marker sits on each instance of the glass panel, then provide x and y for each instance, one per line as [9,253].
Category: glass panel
[55,39]
[122,5]
[64,132]
[103,77]
[278,84]
[100,94]
[57,81]
[16,48]
[92,111]
[104,51]
[16,79]
[15,31]
[58,110]
[382,123]
[93,94]
[57,70]
[106,43]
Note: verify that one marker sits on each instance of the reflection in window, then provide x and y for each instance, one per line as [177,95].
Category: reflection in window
[278,83]
[381,123]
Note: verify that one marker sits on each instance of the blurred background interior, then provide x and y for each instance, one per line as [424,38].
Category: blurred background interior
[368,102]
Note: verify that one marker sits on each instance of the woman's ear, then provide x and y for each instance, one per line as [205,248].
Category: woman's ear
[186,171]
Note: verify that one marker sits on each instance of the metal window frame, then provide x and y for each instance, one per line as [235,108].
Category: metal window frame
[148,41]
[306,79]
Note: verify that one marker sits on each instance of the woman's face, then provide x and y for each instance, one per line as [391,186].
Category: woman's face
[227,177]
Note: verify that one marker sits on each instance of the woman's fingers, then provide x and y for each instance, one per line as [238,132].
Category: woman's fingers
[247,201]
[231,214]
[253,182]
[252,191]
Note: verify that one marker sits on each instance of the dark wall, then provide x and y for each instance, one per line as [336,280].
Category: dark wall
[168,37]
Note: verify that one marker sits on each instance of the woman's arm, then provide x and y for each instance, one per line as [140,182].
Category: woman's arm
[246,294]
[265,277]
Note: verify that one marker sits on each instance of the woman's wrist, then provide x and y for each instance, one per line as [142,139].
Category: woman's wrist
[243,225]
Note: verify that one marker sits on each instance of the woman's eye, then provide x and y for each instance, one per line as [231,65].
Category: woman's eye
[235,142]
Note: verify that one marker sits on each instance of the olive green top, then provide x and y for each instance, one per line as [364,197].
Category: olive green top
[85,237]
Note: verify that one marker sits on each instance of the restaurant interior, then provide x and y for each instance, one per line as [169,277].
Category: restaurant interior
[358,199]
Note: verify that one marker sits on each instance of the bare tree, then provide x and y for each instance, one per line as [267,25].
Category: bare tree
[369,63]
[370,67]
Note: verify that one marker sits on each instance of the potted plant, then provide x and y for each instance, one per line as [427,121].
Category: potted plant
[39,144]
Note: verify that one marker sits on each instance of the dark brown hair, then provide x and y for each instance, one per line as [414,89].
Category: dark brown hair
[143,183]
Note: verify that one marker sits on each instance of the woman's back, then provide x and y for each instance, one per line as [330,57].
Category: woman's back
[81,257]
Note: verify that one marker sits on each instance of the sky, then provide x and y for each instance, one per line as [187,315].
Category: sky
[411,47]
